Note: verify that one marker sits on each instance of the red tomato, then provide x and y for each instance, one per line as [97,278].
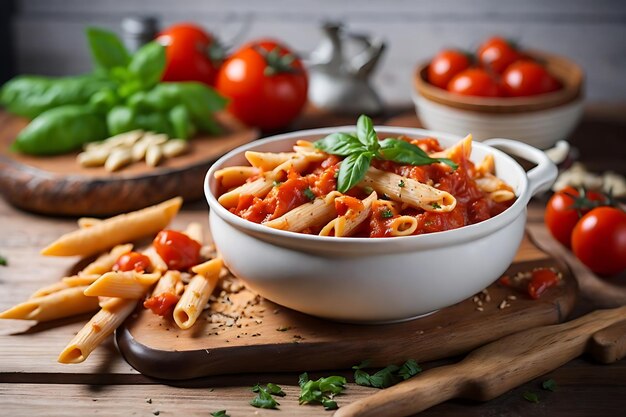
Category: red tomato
[192,54]
[474,82]
[161,304]
[266,83]
[528,78]
[132,261]
[445,65]
[564,210]
[496,54]
[599,240]
[178,250]
[541,280]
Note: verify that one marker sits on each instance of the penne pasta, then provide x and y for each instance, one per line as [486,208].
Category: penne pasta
[157,263]
[315,213]
[403,226]
[486,166]
[85,222]
[128,284]
[49,289]
[409,191]
[257,188]
[113,312]
[195,232]
[105,262]
[58,304]
[81,279]
[197,293]
[267,161]
[231,177]
[171,282]
[115,230]
[461,150]
[500,196]
[347,224]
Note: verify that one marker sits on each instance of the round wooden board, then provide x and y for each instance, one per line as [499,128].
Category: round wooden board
[283,340]
[58,185]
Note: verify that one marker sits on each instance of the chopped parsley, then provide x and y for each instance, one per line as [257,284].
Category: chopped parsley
[321,391]
[368,190]
[531,397]
[220,413]
[549,385]
[386,214]
[386,377]
[264,397]
[276,183]
[435,205]
[401,184]
[309,194]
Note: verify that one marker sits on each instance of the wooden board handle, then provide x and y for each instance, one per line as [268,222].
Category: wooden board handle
[491,370]
[609,344]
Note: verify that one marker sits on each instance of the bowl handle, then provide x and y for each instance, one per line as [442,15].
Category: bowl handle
[541,177]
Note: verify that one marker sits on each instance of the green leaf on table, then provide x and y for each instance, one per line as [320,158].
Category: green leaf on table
[264,400]
[549,385]
[409,369]
[220,413]
[386,377]
[107,50]
[148,64]
[531,397]
[3,261]
[303,378]
[321,391]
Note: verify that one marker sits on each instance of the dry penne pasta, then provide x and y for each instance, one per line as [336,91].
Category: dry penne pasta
[106,261]
[197,293]
[49,289]
[157,263]
[81,279]
[194,231]
[409,191]
[127,284]
[58,304]
[115,230]
[101,325]
[170,283]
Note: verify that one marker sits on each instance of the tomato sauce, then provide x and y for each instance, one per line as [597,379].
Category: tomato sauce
[473,205]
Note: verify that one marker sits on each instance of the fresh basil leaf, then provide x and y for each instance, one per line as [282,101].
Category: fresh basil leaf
[181,122]
[201,101]
[403,152]
[341,144]
[352,170]
[321,391]
[107,49]
[365,133]
[329,404]
[220,413]
[409,369]
[148,64]
[385,377]
[275,390]
[264,400]
[362,378]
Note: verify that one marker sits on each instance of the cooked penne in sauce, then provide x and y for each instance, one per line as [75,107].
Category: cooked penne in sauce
[390,199]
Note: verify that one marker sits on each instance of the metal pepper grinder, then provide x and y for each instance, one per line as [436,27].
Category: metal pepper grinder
[340,83]
[138,30]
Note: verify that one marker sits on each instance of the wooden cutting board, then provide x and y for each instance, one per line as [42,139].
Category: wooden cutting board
[58,185]
[278,339]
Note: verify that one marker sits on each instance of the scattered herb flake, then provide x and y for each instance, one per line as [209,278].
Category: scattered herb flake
[401,184]
[435,205]
[3,261]
[531,397]
[321,391]
[309,194]
[549,385]
[220,413]
[276,183]
[275,390]
[386,214]
[386,377]
[368,190]
[283,328]
[263,399]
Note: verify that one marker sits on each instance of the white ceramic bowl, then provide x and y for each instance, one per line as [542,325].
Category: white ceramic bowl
[376,280]
[541,128]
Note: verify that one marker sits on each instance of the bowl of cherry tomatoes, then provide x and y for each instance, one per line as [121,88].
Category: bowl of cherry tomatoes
[500,91]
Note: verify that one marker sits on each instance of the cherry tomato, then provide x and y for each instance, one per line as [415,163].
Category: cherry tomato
[161,304]
[445,65]
[132,261]
[192,54]
[528,78]
[564,210]
[178,250]
[474,82]
[599,240]
[540,281]
[266,83]
[496,54]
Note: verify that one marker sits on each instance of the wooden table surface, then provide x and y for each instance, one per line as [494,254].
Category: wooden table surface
[33,383]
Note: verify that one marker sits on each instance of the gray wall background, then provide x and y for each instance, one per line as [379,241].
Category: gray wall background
[48,34]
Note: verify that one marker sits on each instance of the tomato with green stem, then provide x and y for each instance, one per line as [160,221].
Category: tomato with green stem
[266,83]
